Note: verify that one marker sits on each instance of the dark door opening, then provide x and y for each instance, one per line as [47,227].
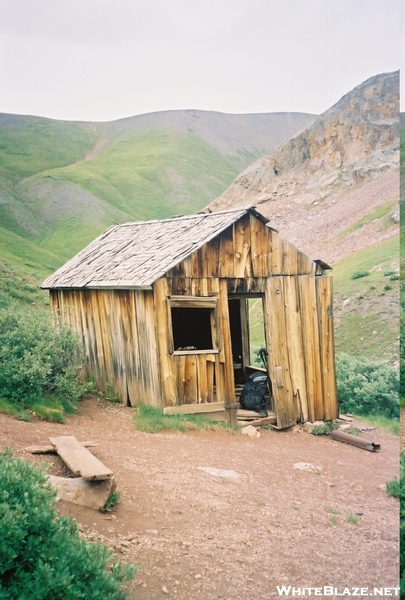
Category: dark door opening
[247,335]
[238,357]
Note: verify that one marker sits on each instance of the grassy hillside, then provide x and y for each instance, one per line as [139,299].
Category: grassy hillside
[29,145]
[63,183]
[366,294]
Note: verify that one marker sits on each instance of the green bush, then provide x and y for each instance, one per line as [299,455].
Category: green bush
[42,556]
[359,274]
[325,429]
[402,523]
[38,360]
[367,388]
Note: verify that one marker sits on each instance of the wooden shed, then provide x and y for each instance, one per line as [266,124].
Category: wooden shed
[163,310]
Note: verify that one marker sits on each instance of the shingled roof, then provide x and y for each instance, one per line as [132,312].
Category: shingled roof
[134,255]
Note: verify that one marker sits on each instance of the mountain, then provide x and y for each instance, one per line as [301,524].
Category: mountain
[62,183]
[331,188]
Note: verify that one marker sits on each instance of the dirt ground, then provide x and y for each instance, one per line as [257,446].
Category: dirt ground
[197,535]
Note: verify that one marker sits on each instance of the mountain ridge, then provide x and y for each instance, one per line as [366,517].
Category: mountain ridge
[321,171]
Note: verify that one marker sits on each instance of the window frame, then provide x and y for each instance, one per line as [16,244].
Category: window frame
[190,302]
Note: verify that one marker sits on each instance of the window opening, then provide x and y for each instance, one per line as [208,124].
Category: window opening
[191,328]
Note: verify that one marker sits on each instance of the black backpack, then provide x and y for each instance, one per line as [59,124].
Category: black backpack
[254,391]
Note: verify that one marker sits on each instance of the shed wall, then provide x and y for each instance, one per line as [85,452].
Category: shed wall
[120,339]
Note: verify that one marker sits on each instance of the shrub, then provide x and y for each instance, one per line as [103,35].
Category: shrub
[402,523]
[324,429]
[37,359]
[359,274]
[42,556]
[393,487]
[367,388]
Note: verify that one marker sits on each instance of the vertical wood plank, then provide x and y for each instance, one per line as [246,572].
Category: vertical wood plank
[290,258]
[259,240]
[164,334]
[294,345]
[229,386]
[242,256]
[95,333]
[276,337]
[210,367]
[226,267]
[134,380]
[202,383]
[213,257]
[324,294]
[306,265]
[181,379]
[190,376]
[310,336]
[275,254]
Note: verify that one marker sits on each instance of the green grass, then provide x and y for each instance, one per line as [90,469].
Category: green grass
[111,502]
[256,330]
[16,285]
[152,420]
[8,408]
[393,487]
[366,312]
[144,175]
[381,256]
[351,518]
[380,422]
[153,174]
[29,145]
[382,212]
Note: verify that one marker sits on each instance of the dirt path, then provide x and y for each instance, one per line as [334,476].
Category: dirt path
[195,535]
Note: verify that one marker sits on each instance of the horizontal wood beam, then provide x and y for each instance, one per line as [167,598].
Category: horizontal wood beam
[193,301]
[193,409]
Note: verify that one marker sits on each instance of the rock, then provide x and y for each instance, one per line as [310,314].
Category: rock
[307,427]
[93,494]
[345,426]
[395,215]
[164,589]
[220,472]
[251,431]
[318,423]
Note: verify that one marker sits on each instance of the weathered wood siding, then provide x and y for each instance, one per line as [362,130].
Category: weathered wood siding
[245,254]
[201,376]
[299,335]
[119,335]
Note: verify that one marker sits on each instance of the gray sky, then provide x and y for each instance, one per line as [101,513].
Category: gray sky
[106,59]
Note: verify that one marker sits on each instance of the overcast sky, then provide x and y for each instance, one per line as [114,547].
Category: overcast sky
[106,59]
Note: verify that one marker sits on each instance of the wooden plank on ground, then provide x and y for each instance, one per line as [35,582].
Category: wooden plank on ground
[50,449]
[79,460]
[191,409]
[248,414]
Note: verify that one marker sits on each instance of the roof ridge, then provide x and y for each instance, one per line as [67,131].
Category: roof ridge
[241,209]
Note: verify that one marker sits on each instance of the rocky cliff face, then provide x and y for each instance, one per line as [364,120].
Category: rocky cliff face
[341,168]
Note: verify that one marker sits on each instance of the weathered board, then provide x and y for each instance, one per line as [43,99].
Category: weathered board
[79,460]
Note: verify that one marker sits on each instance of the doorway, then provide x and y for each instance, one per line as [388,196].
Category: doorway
[246,318]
